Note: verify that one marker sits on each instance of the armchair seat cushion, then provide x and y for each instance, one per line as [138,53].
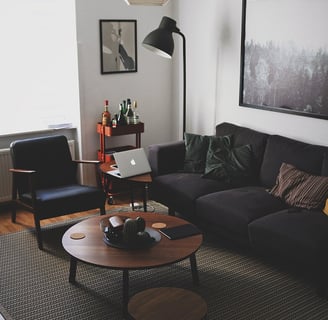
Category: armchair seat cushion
[68,199]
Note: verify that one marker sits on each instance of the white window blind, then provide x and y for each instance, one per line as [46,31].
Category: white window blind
[38,63]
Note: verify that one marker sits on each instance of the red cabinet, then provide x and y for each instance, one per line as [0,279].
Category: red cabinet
[104,153]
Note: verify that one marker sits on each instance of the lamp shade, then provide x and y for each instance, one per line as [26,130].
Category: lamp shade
[160,40]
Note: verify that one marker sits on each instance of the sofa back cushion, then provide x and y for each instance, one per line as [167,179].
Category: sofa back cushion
[227,163]
[49,156]
[244,136]
[305,157]
[300,189]
[195,155]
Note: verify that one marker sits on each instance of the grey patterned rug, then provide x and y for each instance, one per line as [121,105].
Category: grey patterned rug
[34,284]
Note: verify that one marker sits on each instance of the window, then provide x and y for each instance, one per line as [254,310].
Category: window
[39,67]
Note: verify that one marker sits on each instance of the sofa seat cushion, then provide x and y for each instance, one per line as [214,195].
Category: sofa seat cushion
[180,190]
[300,236]
[232,210]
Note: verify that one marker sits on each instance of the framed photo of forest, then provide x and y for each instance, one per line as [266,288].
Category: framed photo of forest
[284,56]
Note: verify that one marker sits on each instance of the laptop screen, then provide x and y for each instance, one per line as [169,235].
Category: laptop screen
[130,163]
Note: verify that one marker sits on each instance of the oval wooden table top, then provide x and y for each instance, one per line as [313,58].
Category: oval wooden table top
[142,178]
[92,248]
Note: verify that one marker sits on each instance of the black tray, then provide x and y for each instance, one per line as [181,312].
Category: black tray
[122,245]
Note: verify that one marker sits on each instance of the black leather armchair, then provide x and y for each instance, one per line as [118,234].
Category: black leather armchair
[45,180]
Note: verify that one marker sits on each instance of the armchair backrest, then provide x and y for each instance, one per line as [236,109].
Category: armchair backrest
[49,156]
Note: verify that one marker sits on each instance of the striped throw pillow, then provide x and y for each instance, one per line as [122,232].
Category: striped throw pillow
[300,189]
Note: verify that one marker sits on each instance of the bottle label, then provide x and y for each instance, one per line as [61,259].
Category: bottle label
[105,119]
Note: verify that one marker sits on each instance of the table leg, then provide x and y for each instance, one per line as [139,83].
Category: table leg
[138,140]
[132,198]
[72,270]
[145,199]
[194,271]
[125,292]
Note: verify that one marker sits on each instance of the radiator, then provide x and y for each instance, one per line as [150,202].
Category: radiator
[6,176]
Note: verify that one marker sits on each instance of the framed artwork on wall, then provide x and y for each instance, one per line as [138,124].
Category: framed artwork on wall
[118,46]
[284,56]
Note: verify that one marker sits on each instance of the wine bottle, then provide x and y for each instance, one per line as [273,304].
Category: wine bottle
[135,114]
[121,120]
[128,101]
[129,113]
[105,118]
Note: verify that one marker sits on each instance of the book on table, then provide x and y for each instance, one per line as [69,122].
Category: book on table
[182,231]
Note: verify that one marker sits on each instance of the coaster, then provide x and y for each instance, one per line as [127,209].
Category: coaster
[77,236]
[158,225]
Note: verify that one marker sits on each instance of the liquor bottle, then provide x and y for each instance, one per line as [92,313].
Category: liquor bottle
[121,120]
[114,121]
[135,114]
[129,113]
[105,118]
[128,102]
[124,106]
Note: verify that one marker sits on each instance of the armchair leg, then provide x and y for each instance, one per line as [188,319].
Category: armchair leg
[13,212]
[102,210]
[38,232]
[171,212]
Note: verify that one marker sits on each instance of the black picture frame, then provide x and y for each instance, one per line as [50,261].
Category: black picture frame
[118,46]
[284,57]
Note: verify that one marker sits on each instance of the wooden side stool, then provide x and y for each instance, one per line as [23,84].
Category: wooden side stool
[4,315]
[167,303]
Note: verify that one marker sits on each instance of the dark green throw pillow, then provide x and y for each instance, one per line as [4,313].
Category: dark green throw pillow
[227,163]
[196,150]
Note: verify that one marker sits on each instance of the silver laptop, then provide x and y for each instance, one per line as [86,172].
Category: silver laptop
[130,163]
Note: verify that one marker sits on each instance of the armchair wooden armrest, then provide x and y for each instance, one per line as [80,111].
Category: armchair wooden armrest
[87,161]
[97,169]
[31,179]
[21,171]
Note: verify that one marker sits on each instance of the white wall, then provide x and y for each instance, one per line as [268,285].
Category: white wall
[212,29]
[213,32]
[150,86]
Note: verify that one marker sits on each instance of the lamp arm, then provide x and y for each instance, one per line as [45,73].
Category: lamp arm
[184,81]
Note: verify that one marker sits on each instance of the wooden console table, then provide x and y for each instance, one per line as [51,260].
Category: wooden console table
[115,187]
[136,181]
[104,154]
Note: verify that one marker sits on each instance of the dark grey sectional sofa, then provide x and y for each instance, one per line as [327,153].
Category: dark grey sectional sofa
[247,213]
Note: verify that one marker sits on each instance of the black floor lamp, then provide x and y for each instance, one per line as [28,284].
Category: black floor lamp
[161,42]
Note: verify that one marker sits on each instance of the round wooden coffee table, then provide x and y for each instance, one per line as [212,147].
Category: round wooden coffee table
[88,246]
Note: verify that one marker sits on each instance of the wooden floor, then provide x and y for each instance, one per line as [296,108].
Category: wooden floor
[24,220]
